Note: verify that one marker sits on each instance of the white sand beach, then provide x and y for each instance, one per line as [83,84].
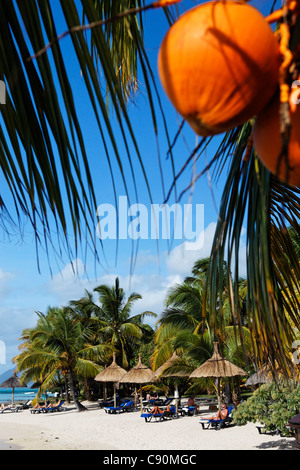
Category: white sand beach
[96,430]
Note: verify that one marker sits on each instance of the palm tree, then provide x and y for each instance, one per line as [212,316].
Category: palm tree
[41,135]
[185,323]
[185,302]
[57,345]
[116,326]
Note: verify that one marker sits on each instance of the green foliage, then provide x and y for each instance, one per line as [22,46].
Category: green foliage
[272,405]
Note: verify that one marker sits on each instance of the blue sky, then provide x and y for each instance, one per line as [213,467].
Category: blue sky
[24,290]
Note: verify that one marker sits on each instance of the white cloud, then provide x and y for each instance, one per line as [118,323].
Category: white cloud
[5,278]
[68,284]
[182,257]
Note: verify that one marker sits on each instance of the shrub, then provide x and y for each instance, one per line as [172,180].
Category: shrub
[272,405]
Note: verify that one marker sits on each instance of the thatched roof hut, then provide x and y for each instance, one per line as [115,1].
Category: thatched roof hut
[262,376]
[139,374]
[13,382]
[217,367]
[112,373]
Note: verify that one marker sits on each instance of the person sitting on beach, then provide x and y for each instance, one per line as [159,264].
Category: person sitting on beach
[191,402]
[222,414]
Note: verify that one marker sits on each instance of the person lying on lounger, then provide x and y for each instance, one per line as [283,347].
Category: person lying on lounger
[38,406]
[222,414]
[156,410]
[4,407]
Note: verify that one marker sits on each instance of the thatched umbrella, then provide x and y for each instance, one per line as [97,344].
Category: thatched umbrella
[112,373]
[268,373]
[139,374]
[13,382]
[163,371]
[217,367]
[262,376]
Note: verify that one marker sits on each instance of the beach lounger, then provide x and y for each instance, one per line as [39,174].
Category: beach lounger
[125,406]
[170,414]
[119,405]
[26,405]
[262,430]
[39,410]
[217,423]
[150,416]
[51,409]
[13,409]
[109,402]
[188,411]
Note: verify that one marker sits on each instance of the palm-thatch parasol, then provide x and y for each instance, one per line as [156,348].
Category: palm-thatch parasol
[112,373]
[261,376]
[139,374]
[13,382]
[268,373]
[163,371]
[217,367]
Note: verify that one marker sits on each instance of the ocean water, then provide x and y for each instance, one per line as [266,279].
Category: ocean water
[21,394]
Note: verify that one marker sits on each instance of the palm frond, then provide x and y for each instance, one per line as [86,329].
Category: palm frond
[254,198]
[43,154]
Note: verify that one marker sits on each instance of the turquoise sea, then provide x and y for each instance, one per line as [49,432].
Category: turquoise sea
[21,394]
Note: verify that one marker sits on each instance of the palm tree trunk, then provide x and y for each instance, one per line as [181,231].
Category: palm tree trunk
[87,390]
[78,405]
[66,390]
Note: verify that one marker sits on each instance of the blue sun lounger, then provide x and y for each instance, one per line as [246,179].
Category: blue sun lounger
[170,414]
[51,409]
[217,423]
[151,416]
[125,406]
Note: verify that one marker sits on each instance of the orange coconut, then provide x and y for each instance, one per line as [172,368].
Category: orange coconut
[268,144]
[219,65]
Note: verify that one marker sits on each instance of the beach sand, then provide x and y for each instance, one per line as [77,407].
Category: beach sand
[96,430]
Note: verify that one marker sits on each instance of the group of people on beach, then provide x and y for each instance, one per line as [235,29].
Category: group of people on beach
[221,414]
[47,405]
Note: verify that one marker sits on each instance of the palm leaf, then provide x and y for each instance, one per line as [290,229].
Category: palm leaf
[255,198]
[43,155]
